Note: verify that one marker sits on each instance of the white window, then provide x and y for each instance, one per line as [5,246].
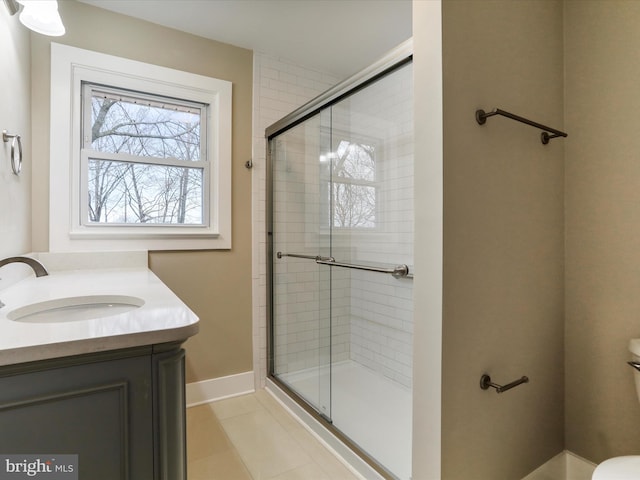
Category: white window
[140,155]
[143,159]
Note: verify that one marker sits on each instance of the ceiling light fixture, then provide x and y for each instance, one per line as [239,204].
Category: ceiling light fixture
[41,16]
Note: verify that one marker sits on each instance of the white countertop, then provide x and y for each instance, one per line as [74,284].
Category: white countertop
[162,318]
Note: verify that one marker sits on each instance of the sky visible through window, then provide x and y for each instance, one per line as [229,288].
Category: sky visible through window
[142,161]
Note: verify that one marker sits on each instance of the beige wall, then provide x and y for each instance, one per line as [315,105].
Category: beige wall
[15,117]
[503,238]
[215,284]
[602,105]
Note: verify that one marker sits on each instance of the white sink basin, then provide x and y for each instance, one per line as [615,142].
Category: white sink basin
[73,309]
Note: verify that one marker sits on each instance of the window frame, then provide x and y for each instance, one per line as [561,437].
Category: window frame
[70,67]
[87,153]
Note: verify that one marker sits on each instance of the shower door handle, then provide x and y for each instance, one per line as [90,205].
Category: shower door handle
[399,271]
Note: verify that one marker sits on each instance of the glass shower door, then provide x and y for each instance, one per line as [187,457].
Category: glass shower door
[301,291]
[341,287]
[372,310]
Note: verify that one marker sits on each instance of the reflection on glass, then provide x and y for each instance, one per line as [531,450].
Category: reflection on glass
[351,185]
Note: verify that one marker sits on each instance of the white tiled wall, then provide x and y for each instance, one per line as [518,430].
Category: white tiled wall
[279,87]
[381,309]
[309,315]
[313,322]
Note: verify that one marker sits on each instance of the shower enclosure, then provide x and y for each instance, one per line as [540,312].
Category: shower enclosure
[341,261]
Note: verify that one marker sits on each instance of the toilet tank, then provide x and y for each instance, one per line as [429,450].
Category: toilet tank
[634,348]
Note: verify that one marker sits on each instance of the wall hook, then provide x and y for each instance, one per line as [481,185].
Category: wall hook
[16,165]
[248,164]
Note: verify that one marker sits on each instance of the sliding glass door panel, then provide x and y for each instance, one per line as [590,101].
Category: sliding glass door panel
[301,291]
[372,312]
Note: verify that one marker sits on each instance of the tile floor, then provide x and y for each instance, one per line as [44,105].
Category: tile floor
[254,437]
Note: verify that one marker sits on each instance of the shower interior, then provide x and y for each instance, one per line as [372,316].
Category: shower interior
[341,219]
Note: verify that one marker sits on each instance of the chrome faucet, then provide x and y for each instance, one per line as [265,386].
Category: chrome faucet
[37,267]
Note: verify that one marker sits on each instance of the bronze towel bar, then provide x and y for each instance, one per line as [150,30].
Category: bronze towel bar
[545,136]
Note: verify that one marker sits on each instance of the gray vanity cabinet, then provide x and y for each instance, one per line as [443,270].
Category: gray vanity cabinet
[122,412]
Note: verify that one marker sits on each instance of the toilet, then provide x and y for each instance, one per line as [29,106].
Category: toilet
[627,467]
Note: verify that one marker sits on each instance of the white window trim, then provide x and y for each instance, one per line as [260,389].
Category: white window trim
[69,67]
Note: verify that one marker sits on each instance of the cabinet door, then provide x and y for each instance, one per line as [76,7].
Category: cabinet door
[170,408]
[100,411]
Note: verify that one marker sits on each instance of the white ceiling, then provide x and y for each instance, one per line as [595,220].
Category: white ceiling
[336,36]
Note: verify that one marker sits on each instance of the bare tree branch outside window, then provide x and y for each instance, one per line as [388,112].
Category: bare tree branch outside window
[153,176]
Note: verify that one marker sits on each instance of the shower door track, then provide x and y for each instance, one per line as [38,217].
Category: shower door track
[328,425]
[391,61]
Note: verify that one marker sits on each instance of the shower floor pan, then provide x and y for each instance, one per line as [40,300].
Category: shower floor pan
[372,410]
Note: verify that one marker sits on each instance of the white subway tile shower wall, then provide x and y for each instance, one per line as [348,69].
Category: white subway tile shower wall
[279,87]
[304,305]
[381,307]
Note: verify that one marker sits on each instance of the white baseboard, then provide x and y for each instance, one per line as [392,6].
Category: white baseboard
[578,467]
[214,389]
[554,469]
[564,466]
